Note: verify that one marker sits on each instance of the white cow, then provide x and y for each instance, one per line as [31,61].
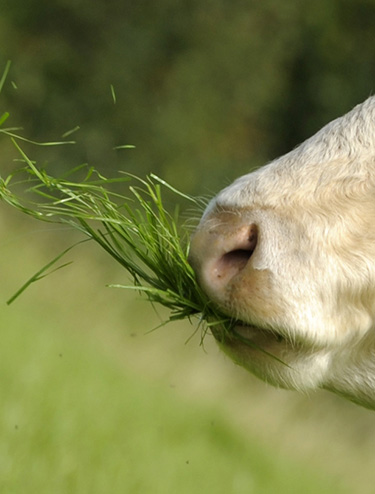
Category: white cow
[289,251]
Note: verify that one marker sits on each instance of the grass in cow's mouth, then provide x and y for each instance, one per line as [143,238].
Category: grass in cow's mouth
[135,229]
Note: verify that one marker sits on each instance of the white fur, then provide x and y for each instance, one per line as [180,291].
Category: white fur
[311,278]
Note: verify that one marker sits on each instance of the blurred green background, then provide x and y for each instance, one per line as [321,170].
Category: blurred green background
[206,91]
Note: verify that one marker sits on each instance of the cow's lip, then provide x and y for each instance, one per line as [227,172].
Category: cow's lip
[255,334]
[252,334]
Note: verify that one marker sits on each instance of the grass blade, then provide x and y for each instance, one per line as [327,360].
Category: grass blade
[42,273]
[5,74]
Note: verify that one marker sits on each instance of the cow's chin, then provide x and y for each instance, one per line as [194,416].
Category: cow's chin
[276,358]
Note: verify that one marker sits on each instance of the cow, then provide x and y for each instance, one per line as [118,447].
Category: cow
[288,252]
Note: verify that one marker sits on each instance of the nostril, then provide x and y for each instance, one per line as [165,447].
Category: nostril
[236,258]
[242,248]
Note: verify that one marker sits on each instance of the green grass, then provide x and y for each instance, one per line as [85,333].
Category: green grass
[134,227]
[73,421]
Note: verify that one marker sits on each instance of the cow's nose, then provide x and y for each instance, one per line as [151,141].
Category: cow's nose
[219,254]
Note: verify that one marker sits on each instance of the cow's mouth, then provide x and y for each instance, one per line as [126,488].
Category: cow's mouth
[254,336]
[261,341]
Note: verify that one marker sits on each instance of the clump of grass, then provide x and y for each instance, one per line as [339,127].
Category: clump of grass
[135,229]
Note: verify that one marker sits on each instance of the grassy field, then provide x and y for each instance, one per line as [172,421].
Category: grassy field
[92,404]
[73,421]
